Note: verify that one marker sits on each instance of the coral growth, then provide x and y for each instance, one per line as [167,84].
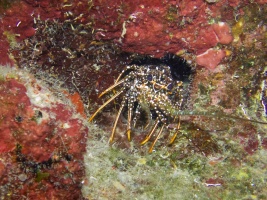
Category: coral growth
[41,141]
[17,19]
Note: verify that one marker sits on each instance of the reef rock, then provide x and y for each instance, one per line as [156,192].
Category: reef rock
[42,141]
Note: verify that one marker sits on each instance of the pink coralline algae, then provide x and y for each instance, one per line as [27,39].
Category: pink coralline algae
[41,144]
[211,58]
[158,27]
[147,27]
[223,33]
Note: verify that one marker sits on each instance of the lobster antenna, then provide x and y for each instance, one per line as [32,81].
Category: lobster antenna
[174,112]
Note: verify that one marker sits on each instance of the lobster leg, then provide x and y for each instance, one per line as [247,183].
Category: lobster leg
[111,87]
[106,103]
[129,120]
[151,132]
[116,122]
[154,142]
[176,132]
[128,68]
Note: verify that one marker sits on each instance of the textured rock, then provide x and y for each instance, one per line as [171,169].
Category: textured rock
[210,59]
[18,22]
[147,27]
[223,33]
[41,141]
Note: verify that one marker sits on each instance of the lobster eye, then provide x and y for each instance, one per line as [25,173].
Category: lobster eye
[170,86]
[149,77]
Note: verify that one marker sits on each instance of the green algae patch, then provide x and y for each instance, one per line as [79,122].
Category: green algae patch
[11,38]
[41,176]
[122,174]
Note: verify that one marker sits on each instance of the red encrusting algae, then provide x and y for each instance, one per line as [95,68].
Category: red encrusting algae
[41,146]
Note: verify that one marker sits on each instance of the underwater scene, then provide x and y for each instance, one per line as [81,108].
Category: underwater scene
[145,100]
